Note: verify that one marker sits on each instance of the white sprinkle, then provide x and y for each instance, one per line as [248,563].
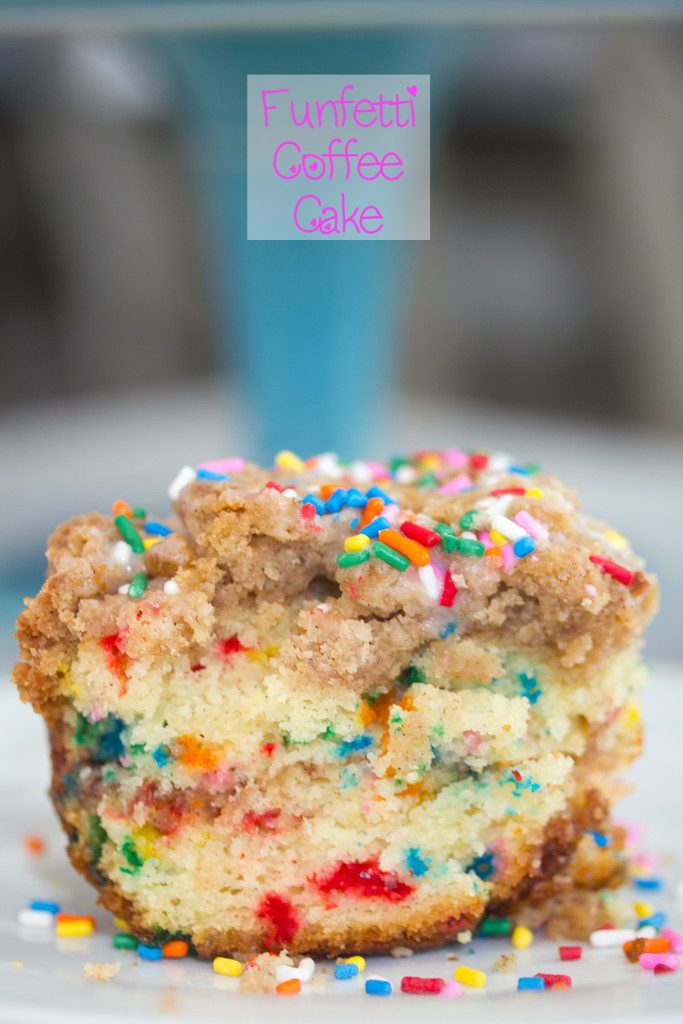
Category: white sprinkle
[283,972]
[289,492]
[306,968]
[328,465]
[185,476]
[648,931]
[406,475]
[513,531]
[35,918]
[124,588]
[468,535]
[122,553]
[323,608]
[429,581]
[360,472]
[500,462]
[605,937]
[171,587]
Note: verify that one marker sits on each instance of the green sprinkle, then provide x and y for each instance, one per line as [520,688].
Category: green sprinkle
[124,941]
[427,480]
[97,837]
[132,855]
[495,926]
[138,585]
[470,547]
[449,541]
[129,533]
[138,512]
[467,521]
[349,558]
[388,555]
[411,675]
[397,462]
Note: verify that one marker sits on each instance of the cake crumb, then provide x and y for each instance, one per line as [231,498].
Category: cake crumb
[101,972]
[399,951]
[505,963]
[259,972]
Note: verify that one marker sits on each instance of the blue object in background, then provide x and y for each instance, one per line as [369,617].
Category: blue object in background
[316,324]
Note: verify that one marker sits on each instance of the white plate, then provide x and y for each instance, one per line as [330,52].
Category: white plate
[50,988]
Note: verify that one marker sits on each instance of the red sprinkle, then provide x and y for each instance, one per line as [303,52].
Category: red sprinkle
[420,533]
[365,879]
[268,749]
[449,592]
[549,980]
[500,491]
[281,917]
[227,648]
[663,969]
[422,986]
[478,461]
[308,510]
[619,572]
[117,659]
[271,485]
[570,952]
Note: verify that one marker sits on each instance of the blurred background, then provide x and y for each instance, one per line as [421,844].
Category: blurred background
[544,317]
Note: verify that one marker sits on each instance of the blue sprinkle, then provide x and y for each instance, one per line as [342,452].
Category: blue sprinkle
[417,864]
[207,474]
[161,754]
[336,501]
[343,971]
[354,745]
[530,687]
[530,983]
[599,838]
[354,523]
[519,470]
[52,908]
[317,504]
[377,987]
[657,920]
[355,499]
[448,630]
[149,952]
[483,866]
[523,547]
[157,529]
[373,528]
[377,492]
[647,883]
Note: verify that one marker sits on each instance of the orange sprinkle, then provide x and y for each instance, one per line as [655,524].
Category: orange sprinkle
[327,490]
[417,554]
[656,945]
[35,845]
[372,509]
[196,753]
[122,508]
[175,950]
[289,988]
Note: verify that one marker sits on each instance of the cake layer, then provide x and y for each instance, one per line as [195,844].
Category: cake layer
[324,713]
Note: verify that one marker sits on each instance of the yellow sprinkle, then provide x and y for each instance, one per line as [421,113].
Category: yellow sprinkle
[146,837]
[632,715]
[616,538]
[356,543]
[430,461]
[643,909]
[469,976]
[498,538]
[359,961]
[121,925]
[224,965]
[149,542]
[288,460]
[534,492]
[521,937]
[74,929]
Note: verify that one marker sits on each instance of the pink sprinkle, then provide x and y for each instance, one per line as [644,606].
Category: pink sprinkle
[461,482]
[509,559]
[675,939]
[532,526]
[456,458]
[590,589]
[485,539]
[451,988]
[651,960]
[234,465]
[378,470]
